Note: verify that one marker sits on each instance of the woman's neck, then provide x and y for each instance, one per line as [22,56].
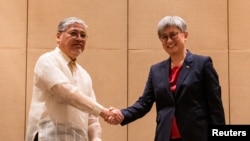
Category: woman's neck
[177,60]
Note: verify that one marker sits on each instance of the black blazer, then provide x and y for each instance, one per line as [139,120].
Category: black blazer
[196,103]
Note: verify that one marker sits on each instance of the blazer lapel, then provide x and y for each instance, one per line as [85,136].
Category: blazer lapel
[165,76]
[183,73]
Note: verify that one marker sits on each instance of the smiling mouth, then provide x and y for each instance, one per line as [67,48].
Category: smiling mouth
[171,46]
[78,45]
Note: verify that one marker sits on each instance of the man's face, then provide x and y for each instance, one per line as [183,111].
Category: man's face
[72,40]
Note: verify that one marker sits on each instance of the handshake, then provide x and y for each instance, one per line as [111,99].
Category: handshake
[112,115]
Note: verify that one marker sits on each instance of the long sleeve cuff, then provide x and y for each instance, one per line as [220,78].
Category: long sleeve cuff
[96,139]
[97,109]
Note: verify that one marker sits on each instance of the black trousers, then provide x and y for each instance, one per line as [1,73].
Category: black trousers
[36,137]
[175,139]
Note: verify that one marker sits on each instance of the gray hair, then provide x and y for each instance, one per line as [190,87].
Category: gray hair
[69,21]
[171,21]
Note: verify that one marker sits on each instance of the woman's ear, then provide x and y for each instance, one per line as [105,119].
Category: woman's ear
[186,35]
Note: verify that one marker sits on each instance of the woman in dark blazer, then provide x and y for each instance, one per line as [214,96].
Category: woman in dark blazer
[185,88]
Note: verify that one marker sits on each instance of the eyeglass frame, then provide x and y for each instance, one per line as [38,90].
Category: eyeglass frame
[75,34]
[172,35]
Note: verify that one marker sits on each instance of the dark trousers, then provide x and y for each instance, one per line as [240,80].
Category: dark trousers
[175,139]
[36,137]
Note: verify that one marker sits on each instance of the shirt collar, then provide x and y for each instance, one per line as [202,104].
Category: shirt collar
[67,58]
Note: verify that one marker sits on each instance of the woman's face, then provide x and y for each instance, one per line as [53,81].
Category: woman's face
[72,41]
[173,40]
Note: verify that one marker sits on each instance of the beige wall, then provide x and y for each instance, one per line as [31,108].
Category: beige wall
[239,64]
[121,47]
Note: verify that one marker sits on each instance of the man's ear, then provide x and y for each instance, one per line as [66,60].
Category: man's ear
[186,34]
[58,34]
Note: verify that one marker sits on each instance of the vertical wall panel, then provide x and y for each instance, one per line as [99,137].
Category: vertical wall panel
[239,87]
[139,64]
[239,61]
[13,69]
[12,89]
[13,23]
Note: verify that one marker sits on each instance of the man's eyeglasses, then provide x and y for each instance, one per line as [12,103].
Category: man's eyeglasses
[172,36]
[75,34]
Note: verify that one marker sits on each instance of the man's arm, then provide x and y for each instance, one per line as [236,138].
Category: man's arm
[75,98]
